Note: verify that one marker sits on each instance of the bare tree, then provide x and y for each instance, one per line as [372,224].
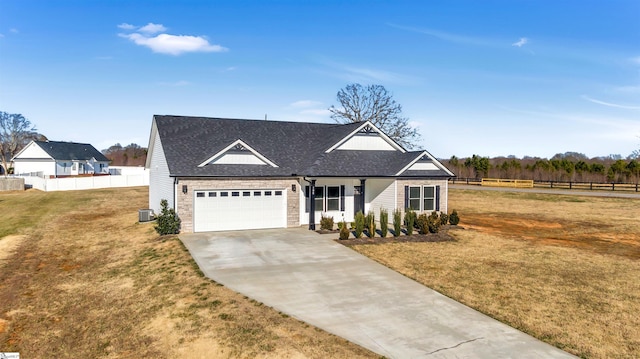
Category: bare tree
[15,132]
[374,103]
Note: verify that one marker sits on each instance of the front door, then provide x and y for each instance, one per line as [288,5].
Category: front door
[357,200]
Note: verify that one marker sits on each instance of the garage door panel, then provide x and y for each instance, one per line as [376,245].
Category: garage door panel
[249,209]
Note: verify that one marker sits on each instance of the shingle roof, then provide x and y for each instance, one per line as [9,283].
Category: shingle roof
[71,151]
[295,147]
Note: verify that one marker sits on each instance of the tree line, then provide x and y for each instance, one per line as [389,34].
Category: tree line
[129,155]
[563,167]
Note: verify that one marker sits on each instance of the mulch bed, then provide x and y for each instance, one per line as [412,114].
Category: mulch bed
[442,236]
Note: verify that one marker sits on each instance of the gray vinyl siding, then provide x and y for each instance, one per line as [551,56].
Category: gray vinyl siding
[160,183]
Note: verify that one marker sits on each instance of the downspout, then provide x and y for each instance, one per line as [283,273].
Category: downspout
[312,203]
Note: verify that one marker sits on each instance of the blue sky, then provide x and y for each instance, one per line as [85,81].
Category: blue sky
[476,77]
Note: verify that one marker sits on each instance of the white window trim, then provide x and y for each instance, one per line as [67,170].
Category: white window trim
[422,197]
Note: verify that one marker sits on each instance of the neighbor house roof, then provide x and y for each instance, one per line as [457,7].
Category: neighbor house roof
[71,151]
[291,148]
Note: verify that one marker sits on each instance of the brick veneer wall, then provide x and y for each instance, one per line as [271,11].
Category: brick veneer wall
[444,191]
[184,206]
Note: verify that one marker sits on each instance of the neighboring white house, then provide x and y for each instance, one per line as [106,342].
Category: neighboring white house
[226,174]
[53,159]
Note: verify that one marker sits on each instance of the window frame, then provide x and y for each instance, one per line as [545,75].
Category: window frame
[418,198]
[425,198]
[332,199]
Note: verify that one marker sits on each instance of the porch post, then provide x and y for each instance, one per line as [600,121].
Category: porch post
[362,192]
[312,206]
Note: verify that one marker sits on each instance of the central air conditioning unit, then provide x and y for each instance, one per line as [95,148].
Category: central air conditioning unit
[146,215]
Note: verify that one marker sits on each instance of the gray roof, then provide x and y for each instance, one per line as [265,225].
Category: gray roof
[297,148]
[69,151]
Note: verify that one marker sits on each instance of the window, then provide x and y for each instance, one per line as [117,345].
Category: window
[257,193]
[246,194]
[423,198]
[200,194]
[329,198]
[224,194]
[319,199]
[235,194]
[212,194]
[414,198]
[429,198]
[333,198]
[278,193]
[267,193]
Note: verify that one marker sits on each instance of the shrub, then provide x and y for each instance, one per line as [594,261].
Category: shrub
[434,222]
[444,219]
[384,222]
[410,220]
[397,222]
[326,222]
[359,225]
[371,224]
[344,231]
[168,221]
[454,219]
[422,221]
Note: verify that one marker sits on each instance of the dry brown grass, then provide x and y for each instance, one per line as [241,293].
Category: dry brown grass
[564,269]
[84,280]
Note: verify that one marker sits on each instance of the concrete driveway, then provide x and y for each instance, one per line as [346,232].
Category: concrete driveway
[312,278]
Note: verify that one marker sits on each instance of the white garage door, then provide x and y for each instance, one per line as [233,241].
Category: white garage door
[222,210]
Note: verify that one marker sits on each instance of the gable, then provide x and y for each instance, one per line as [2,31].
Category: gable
[425,165]
[32,151]
[366,137]
[238,153]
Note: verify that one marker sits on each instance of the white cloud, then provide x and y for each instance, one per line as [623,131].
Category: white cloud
[305,103]
[152,28]
[125,26]
[610,104]
[523,41]
[15,31]
[636,60]
[167,43]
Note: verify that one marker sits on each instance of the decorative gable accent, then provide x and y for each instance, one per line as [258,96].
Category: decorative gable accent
[425,162]
[238,153]
[366,138]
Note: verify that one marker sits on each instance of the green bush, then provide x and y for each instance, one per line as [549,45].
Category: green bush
[168,221]
[344,231]
[371,224]
[454,219]
[397,222]
[444,219]
[384,222]
[409,220]
[434,222]
[359,225]
[326,222]
[422,222]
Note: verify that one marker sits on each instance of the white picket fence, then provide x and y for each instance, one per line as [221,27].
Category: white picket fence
[83,183]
